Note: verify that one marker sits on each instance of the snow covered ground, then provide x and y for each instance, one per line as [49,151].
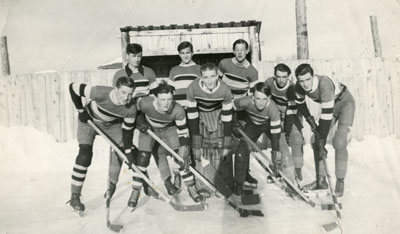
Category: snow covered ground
[35,174]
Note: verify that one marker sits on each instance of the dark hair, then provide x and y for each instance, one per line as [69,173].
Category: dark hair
[303,69]
[282,68]
[208,66]
[134,48]
[263,88]
[125,81]
[164,87]
[184,45]
[240,41]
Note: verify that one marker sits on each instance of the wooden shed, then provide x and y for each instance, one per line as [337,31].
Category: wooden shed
[211,41]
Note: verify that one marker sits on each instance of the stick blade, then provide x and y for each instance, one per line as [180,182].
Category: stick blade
[115,227]
[196,207]
[252,199]
[330,226]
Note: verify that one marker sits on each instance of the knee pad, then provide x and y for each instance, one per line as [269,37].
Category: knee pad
[342,138]
[85,155]
[143,159]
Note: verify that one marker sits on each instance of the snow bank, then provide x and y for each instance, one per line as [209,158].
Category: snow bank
[35,174]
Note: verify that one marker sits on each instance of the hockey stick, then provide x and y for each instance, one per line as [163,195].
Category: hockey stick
[243,212]
[330,226]
[269,162]
[112,227]
[133,167]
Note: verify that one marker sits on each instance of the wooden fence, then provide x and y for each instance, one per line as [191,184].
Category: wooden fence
[42,100]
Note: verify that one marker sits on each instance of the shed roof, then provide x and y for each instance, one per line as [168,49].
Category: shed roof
[231,24]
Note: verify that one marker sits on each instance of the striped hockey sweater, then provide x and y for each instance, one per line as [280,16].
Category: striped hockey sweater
[209,106]
[181,77]
[160,119]
[239,77]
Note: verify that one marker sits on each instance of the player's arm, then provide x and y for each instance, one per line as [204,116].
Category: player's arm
[275,127]
[301,105]
[327,104]
[77,91]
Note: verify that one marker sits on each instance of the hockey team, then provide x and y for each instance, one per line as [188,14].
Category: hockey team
[201,112]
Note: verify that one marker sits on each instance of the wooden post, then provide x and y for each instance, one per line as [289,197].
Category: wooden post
[125,40]
[301,29]
[5,64]
[375,36]
[254,48]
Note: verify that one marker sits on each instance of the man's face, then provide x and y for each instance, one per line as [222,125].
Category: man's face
[305,81]
[124,94]
[260,100]
[209,78]
[135,59]
[164,101]
[281,78]
[186,55]
[240,52]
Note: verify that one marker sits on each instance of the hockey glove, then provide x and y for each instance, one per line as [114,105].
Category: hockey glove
[141,124]
[129,153]
[84,116]
[277,161]
[311,121]
[184,153]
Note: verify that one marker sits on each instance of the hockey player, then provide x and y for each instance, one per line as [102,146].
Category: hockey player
[113,110]
[263,116]
[144,77]
[210,119]
[237,72]
[168,121]
[181,76]
[241,76]
[283,95]
[337,105]
[145,80]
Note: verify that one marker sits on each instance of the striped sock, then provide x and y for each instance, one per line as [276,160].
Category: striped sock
[188,178]
[78,178]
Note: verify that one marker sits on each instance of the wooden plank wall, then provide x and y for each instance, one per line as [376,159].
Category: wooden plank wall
[209,40]
[42,100]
